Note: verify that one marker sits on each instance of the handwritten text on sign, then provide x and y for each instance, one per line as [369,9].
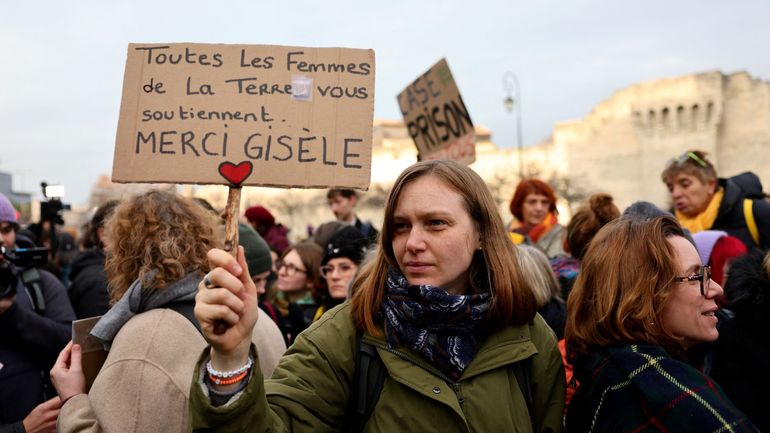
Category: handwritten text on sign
[259,114]
[436,117]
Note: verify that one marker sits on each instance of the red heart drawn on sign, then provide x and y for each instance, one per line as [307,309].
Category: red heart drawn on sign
[235,174]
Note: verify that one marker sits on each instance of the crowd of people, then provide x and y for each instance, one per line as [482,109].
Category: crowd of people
[446,318]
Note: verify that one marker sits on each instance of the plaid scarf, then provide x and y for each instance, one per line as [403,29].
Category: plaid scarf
[640,388]
[444,329]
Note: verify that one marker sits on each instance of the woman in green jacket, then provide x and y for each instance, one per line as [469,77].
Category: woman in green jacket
[444,304]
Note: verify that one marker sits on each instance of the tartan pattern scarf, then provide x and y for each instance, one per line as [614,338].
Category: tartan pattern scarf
[444,329]
[640,388]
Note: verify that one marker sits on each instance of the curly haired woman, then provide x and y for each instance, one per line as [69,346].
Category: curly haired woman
[156,244]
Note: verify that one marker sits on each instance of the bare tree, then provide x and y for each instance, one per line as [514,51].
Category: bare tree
[568,188]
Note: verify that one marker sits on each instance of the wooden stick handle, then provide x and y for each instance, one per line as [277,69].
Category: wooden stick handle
[231,220]
[231,236]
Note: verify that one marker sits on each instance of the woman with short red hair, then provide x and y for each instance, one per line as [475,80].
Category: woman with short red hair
[535,218]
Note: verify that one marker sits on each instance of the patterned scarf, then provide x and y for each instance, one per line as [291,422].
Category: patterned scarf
[533,232]
[641,388]
[443,328]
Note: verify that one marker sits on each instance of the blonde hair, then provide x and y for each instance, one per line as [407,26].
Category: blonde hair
[512,300]
[534,264]
[157,237]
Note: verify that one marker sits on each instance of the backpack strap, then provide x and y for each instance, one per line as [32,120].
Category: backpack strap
[32,281]
[522,372]
[186,309]
[748,214]
[368,381]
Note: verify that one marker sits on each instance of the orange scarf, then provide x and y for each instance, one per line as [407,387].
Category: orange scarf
[535,232]
[704,220]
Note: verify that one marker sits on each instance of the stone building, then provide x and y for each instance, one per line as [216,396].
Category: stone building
[623,145]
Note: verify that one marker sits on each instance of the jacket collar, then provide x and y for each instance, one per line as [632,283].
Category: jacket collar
[502,347]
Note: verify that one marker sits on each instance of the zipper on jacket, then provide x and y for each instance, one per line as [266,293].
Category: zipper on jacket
[459,393]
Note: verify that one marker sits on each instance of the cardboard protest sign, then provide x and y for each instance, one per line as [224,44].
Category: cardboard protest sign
[246,115]
[436,117]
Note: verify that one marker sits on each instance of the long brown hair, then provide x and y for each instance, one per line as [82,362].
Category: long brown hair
[626,279]
[512,300]
[157,231]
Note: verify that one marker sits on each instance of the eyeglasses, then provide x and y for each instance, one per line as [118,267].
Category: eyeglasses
[688,155]
[344,269]
[290,268]
[704,277]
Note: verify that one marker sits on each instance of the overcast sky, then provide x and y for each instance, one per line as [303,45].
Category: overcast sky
[62,61]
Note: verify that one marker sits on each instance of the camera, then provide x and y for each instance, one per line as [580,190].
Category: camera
[23,258]
[53,209]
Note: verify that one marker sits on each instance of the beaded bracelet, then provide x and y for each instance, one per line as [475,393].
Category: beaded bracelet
[228,374]
[236,379]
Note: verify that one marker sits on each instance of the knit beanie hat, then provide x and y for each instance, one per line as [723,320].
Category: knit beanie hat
[644,211]
[255,249]
[260,214]
[705,241]
[323,234]
[7,212]
[347,242]
[725,249]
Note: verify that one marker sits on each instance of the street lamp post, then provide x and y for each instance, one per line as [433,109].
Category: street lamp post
[511,85]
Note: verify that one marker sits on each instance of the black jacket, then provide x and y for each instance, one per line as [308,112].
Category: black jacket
[368,230]
[29,345]
[88,291]
[731,218]
[741,363]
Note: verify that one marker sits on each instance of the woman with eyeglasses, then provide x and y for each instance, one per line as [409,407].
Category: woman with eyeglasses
[445,308]
[702,201]
[342,257]
[641,301]
[299,279]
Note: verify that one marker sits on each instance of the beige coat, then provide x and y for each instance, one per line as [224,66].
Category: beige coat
[144,384]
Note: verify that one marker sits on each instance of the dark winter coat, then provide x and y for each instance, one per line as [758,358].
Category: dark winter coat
[730,217]
[310,389]
[640,388]
[88,291]
[742,353]
[368,230]
[555,315]
[29,344]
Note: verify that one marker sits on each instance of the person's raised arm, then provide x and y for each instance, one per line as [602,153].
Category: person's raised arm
[228,295]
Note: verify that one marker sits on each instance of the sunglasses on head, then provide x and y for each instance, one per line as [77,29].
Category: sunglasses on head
[687,156]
